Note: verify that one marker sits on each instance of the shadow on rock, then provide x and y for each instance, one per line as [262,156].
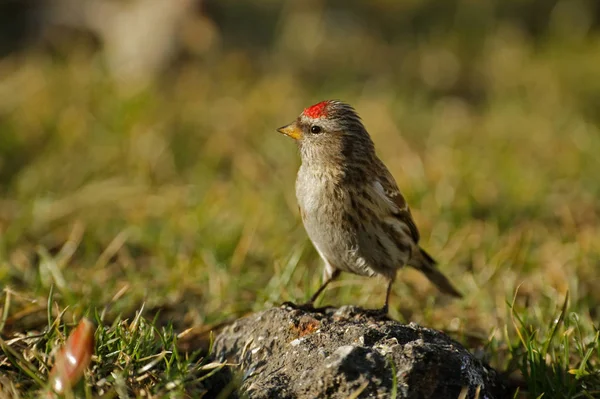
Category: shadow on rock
[349,352]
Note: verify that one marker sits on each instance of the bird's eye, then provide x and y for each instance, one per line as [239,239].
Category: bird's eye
[315,129]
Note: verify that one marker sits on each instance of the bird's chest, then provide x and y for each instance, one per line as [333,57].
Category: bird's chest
[327,214]
[320,195]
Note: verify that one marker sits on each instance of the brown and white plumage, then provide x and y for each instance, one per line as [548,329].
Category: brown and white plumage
[351,207]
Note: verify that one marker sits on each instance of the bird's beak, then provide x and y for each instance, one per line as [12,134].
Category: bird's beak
[291,130]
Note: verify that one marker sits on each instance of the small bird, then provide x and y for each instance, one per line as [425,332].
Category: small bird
[352,210]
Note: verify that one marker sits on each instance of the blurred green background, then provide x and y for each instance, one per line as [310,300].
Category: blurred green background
[139,161]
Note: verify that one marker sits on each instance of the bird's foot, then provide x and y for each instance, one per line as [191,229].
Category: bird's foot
[299,306]
[307,307]
[381,313]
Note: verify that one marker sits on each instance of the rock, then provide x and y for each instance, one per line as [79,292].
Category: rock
[349,352]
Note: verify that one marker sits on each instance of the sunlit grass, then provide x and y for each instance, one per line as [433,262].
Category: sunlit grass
[131,357]
[181,197]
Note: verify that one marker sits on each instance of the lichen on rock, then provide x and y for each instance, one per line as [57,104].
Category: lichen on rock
[286,352]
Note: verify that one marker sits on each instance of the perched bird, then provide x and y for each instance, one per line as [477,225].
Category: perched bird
[351,207]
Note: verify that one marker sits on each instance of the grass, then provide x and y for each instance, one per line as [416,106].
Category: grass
[131,357]
[173,206]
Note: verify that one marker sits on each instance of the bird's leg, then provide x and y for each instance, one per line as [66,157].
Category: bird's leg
[385,307]
[309,305]
[333,276]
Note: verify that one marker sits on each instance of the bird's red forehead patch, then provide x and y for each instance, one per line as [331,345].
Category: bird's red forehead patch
[316,111]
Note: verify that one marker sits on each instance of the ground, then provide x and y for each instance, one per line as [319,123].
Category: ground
[173,206]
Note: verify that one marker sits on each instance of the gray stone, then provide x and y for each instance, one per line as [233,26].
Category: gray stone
[349,352]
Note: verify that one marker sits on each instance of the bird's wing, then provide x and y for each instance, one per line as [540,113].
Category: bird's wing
[385,187]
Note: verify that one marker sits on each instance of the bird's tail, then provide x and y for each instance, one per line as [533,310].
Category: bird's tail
[426,264]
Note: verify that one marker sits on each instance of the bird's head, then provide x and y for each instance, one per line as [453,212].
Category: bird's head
[329,129]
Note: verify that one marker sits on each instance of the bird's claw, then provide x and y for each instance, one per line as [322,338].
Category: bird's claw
[381,313]
[307,307]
